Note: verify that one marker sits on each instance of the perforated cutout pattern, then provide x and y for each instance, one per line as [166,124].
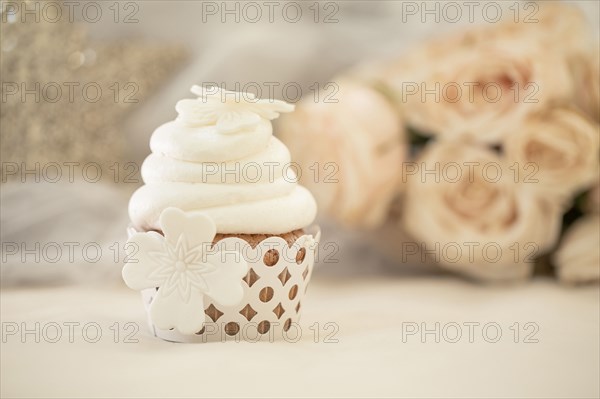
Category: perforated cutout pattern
[272,293]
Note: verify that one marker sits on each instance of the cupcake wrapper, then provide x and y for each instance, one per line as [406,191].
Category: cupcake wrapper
[273,291]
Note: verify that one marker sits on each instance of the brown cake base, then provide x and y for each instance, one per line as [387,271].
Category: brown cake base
[254,239]
[271,257]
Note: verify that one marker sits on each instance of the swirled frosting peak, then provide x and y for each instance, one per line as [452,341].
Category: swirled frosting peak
[219,157]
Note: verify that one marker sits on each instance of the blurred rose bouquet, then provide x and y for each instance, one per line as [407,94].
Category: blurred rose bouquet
[482,146]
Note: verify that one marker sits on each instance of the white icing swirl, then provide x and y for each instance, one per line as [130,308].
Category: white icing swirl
[227,165]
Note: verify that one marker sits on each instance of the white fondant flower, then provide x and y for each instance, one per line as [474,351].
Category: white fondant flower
[230,111]
[184,269]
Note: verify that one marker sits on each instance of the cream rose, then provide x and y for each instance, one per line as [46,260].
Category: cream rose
[586,72]
[560,27]
[350,151]
[462,205]
[555,152]
[476,84]
[578,257]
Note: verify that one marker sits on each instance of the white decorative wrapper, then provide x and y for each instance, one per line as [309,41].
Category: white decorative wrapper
[272,299]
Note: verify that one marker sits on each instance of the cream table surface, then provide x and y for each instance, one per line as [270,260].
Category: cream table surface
[369,359]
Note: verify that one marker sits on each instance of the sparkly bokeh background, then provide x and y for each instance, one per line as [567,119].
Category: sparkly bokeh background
[65,96]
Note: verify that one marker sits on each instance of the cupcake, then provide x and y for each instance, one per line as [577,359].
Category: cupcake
[220,239]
